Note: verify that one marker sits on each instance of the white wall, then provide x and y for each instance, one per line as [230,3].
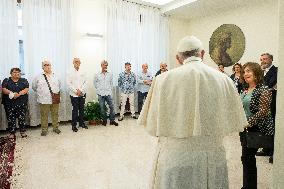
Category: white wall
[258,22]
[278,166]
[89,17]
[178,29]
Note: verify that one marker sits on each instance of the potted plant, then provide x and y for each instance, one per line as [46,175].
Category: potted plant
[92,113]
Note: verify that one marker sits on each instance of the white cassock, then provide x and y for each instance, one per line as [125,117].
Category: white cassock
[191,108]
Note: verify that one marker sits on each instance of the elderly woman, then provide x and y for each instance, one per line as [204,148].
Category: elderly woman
[256,100]
[237,67]
[44,85]
[15,100]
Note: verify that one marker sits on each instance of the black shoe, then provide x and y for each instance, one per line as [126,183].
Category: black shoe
[74,129]
[261,153]
[270,159]
[13,131]
[113,123]
[104,123]
[120,119]
[84,126]
[134,117]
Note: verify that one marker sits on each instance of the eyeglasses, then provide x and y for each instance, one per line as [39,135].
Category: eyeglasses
[46,65]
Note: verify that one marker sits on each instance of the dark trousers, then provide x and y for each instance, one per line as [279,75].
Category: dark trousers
[141,97]
[78,110]
[14,112]
[249,168]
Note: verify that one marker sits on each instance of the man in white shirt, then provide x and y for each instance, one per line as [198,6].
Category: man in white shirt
[103,85]
[144,83]
[77,90]
[45,84]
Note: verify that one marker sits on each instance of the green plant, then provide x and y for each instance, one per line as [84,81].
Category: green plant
[92,111]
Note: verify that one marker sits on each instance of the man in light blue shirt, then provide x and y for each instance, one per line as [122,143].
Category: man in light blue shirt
[144,82]
[103,85]
[126,83]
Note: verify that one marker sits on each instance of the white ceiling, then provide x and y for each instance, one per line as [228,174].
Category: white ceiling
[188,9]
[158,2]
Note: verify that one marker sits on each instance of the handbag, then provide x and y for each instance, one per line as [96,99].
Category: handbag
[54,96]
[256,140]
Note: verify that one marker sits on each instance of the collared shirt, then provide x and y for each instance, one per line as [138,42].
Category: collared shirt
[76,80]
[41,88]
[127,82]
[267,69]
[103,83]
[142,87]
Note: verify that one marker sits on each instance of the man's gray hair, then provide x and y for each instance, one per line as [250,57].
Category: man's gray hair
[45,62]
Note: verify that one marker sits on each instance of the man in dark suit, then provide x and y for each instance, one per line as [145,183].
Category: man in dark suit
[163,68]
[270,79]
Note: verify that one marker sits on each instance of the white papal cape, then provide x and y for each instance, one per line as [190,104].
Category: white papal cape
[191,108]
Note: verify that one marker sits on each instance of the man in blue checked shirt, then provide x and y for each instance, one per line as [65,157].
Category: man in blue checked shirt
[126,83]
[144,82]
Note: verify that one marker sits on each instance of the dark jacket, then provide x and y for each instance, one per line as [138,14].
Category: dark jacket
[158,72]
[237,83]
[270,79]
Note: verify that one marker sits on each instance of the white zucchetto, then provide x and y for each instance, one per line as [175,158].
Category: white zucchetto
[189,43]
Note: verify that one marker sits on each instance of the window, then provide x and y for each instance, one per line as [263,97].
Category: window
[20,37]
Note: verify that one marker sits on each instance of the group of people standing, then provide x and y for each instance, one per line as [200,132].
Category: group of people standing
[190,121]
[15,99]
[257,86]
[128,82]
[47,85]
[181,110]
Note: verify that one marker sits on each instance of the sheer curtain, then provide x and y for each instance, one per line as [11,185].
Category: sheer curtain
[136,34]
[9,45]
[47,27]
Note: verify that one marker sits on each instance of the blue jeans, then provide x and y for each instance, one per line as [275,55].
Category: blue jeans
[102,101]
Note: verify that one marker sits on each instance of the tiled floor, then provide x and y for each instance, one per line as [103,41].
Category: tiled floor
[104,158]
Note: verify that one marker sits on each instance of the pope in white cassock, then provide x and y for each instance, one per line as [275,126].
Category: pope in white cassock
[191,108]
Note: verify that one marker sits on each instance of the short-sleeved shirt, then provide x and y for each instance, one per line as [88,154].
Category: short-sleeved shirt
[127,82]
[15,87]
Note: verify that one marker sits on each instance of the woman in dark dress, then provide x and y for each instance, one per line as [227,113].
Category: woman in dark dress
[15,100]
